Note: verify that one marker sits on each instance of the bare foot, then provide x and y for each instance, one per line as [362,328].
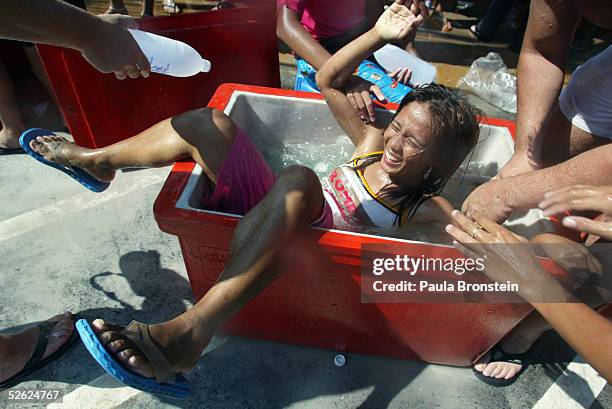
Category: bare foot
[9,137]
[24,343]
[180,352]
[497,369]
[59,150]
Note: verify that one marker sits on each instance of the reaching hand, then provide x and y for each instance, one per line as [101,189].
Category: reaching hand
[115,50]
[401,19]
[490,199]
[517,165]
[358,93]
[506,255]
[580,197]
[401,75]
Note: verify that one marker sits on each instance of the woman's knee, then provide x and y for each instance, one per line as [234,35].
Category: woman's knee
[300,186]
[205,123]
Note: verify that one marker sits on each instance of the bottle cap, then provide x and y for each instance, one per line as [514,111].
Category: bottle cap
[339,360]
[205,65]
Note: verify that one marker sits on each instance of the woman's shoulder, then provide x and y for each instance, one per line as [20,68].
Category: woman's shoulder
[431,209]
[372,142]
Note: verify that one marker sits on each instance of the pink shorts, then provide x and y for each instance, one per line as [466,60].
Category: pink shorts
[243,181]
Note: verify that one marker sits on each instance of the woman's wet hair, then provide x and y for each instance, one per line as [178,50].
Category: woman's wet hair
[454,123]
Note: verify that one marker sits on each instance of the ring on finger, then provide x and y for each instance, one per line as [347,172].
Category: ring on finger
[474,230]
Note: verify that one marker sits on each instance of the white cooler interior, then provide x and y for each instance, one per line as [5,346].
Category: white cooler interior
[274,122]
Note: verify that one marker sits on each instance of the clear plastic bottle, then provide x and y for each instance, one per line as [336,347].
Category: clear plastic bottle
[170,57]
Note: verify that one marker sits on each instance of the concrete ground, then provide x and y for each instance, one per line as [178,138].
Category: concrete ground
[102,255]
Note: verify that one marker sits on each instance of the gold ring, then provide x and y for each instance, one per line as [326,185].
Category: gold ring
[474,230]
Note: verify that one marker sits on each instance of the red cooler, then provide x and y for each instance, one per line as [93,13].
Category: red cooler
[317,302]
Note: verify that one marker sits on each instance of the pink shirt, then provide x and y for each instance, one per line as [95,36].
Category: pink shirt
[325,18]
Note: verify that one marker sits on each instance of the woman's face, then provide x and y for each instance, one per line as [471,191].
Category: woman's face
[407,144]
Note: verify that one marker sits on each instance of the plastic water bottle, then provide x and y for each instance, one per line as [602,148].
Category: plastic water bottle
[393,58]
[170,57]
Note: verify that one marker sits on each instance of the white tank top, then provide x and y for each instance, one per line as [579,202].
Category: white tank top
[352,201]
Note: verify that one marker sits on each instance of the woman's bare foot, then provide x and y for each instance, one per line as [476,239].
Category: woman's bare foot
[497,369]
[513,343]
[17,348]
[59,150]
[177,347]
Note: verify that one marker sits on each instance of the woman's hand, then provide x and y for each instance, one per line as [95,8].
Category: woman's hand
[401,75]
[358,93]
[506,256]
[401,19]
[581,197]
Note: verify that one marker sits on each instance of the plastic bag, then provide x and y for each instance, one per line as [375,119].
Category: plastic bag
[488,77]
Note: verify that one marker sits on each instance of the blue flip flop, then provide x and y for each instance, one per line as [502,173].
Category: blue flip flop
[77,174]
[174,385]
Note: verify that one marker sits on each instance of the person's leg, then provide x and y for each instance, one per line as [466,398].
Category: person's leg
[116,7]
[562,140]
[10,115]
[567,254]
[147,8]
[205,134]
[264,241]
[16,349]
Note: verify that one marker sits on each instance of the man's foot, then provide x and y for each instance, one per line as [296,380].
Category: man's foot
[23,344]
[180,351]
[119,10]
[9,137]
[59,150]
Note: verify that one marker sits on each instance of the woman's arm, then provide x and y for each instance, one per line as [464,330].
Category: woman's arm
[103,40]
[290,30]
[332,77]
[395,23]
[434,210]
[587,332]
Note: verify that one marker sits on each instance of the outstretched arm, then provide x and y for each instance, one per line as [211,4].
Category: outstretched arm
[547,42]
[290,30]
[396,23]
[498,198]
[103,40]
[587,332]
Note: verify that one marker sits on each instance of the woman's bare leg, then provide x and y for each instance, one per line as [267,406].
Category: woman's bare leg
[263,242]
[205,135]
